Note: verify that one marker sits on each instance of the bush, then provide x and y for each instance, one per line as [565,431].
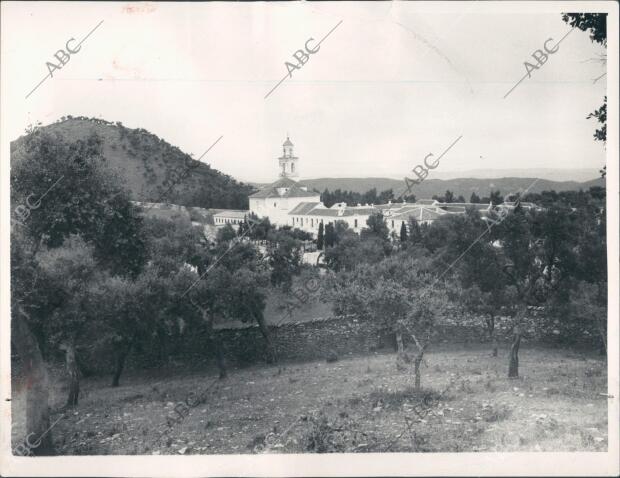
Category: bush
[339,435]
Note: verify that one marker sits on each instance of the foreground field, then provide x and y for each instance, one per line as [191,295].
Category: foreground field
[361,404]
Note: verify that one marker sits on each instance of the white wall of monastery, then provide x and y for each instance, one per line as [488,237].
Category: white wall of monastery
[277,209]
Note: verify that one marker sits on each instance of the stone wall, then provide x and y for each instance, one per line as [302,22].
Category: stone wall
[320,337]
[295,341]
[317,338]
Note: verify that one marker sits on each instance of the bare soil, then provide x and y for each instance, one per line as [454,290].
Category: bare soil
[356,404]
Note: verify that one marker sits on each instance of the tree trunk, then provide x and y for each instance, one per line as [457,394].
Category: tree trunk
[491,329]
[602,320]
[513,367]
[400,348]
[272,356]
[219,357]
[121,356]
[37,393]
[399,344]
[416,364]
[217,344]
[163,347]
[74,374]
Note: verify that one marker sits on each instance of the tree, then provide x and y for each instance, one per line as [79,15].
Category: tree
[434,236]
[403,233]
[119,321]
[37,395]
[25,300]
[593,23]
[134,312]
[352,198]
[520,269]
[589,302]
[393,293]
[596,25]
[70,277]
[320,238]
[330,238]
[80,227]
[446,198]
[376,228]
[370,197]
[474,198]
[87,199]
[590,271]
[482,287]
[173,241]
[346,254]
[385,196]
[415,233]
[244,226]
[601,116]
[225,233]
[340,228]
[284,254]
[536,261]
[496,198]
[231,289]
[260,229]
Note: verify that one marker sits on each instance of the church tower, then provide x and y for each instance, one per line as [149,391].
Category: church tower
[288,161]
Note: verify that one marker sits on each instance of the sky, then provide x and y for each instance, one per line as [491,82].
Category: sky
[391,84]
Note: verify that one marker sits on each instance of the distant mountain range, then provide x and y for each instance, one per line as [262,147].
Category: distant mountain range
[461,186]
[144,161]
[553,174]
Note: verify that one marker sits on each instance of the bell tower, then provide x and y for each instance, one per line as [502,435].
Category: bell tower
[288,161]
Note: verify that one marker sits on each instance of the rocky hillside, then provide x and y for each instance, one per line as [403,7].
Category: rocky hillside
[146,162]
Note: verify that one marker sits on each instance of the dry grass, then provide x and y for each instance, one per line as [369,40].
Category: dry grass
[309,407]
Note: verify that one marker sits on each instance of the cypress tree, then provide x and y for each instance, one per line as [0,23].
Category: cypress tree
[403,232]
[320,238]
[329,235]
[415,233]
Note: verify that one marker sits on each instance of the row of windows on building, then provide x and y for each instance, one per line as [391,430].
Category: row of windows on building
[223,220]
[299,221]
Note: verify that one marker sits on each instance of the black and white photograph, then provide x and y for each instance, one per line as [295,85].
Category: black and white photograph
[309,239]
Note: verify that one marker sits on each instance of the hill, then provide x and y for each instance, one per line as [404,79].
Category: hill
[461,186]
[553,174]
[144,162]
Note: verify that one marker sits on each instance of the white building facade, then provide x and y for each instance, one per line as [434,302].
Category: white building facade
[278,199]
[287,202]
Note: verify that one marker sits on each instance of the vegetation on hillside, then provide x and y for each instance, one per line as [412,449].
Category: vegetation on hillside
[431,187]
[151,169]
